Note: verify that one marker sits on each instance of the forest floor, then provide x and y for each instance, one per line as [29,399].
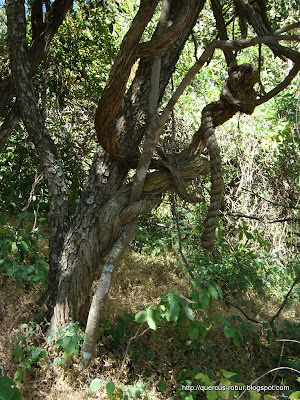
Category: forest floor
[152,357]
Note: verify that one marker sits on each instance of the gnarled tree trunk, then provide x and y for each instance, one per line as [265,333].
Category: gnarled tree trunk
[123,123]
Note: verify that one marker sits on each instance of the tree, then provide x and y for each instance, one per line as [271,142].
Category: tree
[128,125]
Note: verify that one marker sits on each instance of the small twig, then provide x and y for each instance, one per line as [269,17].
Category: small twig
[288,340]
[37,179]
[237,215]
[262,219]
[297,280]
[176,219]
[36,212]
[128,346]
[243,312]
[279,362]
[283,220]
[269,201]
[272,370]
[195,46]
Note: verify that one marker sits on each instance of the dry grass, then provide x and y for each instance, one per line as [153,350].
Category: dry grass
[140,281]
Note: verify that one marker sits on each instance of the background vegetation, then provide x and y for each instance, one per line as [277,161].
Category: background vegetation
[162,329]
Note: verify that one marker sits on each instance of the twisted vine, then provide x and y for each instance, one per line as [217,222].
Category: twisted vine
[237,95]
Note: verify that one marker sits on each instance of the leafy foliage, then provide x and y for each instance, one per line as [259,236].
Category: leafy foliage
[26,354]
[21,256]
[67,342]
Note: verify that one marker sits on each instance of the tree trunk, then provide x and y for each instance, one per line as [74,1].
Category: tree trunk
[101,212]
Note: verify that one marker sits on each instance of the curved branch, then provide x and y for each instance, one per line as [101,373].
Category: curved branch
[167,38]
[256,21]
[115,88]
[293,72]
[256,321]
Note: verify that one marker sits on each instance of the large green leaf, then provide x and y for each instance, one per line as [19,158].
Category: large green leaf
[151,320]
[229,331]
[8,389]
[141,317]
[110,388]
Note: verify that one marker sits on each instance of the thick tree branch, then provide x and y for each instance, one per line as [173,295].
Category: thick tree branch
[164,40]
[115,88]
[287,28]
[38,49]
[37,131]
[260,28]
[222,31]
[130,228]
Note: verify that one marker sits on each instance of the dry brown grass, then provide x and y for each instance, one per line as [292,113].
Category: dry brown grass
[141,281]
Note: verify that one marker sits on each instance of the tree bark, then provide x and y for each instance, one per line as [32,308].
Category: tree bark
[100,214]
[34,123]
[36,54]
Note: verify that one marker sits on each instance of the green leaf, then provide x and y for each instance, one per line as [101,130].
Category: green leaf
[138,392]
[228,374]
[162,386]
[295,395]
[18,351]
[110,388]
[207,325]
[189,312]
[229,331]
[141,317]
[173,306]
[212,395]
[193,331]
[95,385]
[3,231]
[18,376]
[213,291]
[14,247]
[222,319]
[57,361]
[182,374]
[237,338]
[203,378]
[23,247]
[35,353]
[254,395]
[8,389]
[150,320]
[225,382]
[70,344]
[205,298]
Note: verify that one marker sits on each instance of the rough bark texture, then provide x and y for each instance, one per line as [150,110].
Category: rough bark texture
[36,54]
[38,133]
[97,222]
